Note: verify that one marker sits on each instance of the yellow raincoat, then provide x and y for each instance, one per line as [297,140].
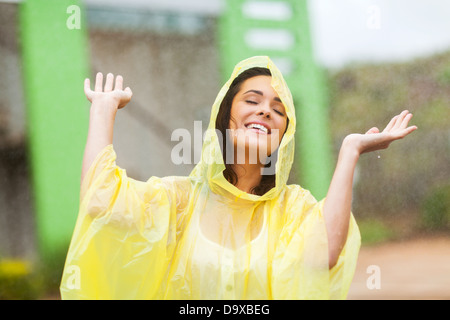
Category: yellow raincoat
[153,239]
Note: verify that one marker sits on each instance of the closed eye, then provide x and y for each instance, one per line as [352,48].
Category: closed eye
[277,108]
[279,112]
[251,102]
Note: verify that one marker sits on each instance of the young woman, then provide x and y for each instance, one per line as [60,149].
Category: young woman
[232,229]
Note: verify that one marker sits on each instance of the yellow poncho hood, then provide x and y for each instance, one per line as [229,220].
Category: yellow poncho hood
[200,237]
[211,164]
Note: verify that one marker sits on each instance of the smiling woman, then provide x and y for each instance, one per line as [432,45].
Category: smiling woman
[252,121]
[227,231]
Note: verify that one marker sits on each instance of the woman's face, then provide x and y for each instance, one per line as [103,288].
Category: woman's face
[258,118]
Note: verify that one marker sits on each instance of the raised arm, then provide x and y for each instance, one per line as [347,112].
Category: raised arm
[105,103]
[337,206]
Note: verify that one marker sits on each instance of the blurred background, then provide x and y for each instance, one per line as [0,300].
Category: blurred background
[351,65]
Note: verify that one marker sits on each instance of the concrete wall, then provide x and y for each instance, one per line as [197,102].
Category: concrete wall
[174,79]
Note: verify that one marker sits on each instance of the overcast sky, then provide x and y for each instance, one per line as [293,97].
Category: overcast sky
[347,31]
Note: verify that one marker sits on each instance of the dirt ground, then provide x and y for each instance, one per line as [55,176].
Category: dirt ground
[408,270]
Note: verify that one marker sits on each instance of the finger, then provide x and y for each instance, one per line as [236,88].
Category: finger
[400,119]
[373,130]
[87,85]
[119,83]
[87,88]
[406,120]
[400,134]
[390,124]
[128,91]
[408,131]
[99,82]
[125,96]
[109,82]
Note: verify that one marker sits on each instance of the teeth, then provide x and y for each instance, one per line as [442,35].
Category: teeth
[257,126]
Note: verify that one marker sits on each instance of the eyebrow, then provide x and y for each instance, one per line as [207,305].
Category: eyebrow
[261,94]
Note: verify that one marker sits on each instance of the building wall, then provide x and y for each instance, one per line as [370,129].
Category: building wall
[174,79]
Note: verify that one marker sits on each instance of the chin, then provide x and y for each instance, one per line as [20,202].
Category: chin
[254,149]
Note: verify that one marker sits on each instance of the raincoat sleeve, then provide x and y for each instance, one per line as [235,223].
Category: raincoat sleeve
[124,236]
[300,263]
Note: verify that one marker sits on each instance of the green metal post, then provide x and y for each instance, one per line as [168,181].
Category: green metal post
[305,79]
[54,55]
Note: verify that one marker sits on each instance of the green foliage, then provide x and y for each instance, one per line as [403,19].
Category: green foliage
[21,279]
[363,96]
[374,231]
[444,76]
[435,213]
[18,281]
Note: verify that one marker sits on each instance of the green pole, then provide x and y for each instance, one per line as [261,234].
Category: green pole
[313,147]
[55,62]
[306,81]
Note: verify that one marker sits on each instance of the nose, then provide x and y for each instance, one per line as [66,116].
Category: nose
[264,110]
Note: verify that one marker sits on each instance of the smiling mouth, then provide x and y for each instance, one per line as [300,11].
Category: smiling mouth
[258,127]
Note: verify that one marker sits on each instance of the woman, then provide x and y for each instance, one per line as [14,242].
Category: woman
[232,229]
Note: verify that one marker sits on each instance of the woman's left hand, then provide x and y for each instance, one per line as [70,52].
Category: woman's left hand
[376,140]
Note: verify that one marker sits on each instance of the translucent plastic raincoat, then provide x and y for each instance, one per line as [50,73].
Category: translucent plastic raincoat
[154,239]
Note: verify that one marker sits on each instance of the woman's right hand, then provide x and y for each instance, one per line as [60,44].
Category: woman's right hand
[116,95]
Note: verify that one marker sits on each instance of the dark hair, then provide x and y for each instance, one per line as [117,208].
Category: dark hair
[223,122]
